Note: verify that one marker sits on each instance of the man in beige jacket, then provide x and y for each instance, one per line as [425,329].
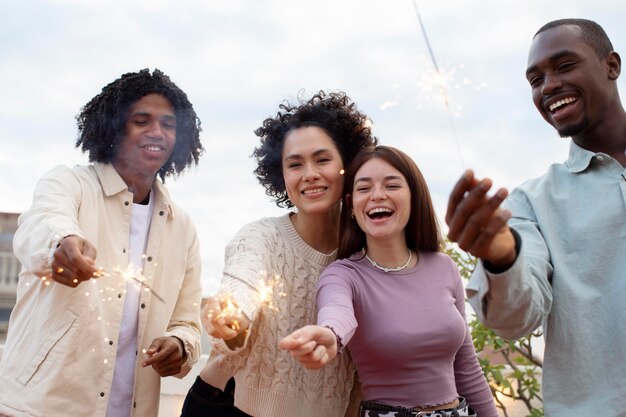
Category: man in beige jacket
[109,292]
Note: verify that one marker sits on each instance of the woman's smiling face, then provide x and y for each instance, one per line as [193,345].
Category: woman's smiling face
[312,170]
[381,200]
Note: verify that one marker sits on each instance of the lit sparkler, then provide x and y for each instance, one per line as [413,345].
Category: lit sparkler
[131,274]
[265,291]
[441,79]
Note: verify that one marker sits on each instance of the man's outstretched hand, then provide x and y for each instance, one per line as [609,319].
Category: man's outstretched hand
[478,224]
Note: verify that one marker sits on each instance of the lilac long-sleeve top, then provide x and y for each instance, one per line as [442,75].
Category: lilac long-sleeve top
[406,331]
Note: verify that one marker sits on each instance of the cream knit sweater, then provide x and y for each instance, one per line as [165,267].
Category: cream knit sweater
[269,382]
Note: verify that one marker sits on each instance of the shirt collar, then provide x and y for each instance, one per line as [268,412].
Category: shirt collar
[112,183]
[579,158]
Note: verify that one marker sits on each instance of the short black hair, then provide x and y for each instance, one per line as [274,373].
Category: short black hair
[102,121]
[592,34]
[333,112]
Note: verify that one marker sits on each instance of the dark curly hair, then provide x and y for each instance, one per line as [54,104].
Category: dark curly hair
[102,121]
[332,111]
[592,34]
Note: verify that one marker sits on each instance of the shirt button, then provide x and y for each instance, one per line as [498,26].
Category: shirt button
[161,213]
[143,305]
[600,158]
[111,342]
[126,203]
[102,394]
[149,258]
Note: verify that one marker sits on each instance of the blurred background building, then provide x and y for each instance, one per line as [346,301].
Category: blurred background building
[9,270]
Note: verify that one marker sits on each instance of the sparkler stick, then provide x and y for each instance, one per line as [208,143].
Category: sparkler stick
[442,87]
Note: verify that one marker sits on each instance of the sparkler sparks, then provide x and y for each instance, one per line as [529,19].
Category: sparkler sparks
[227,307]
[131,274]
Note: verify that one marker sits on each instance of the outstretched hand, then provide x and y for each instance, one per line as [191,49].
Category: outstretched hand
[222,318]
[74,261]
[166,355]
[314,346]
[477,222]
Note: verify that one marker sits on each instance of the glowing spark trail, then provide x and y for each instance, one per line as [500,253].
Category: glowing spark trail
[265,291]
[441,80]
[131,274]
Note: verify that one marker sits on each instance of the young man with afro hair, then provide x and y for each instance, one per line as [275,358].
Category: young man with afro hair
[85,339]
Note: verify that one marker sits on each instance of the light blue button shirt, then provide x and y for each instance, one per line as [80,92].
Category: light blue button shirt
[570,277]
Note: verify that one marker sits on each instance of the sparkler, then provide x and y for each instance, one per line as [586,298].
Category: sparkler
[265,292]
[441,80]
[131,274]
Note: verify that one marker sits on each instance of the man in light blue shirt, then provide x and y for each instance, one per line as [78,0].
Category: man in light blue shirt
[554,253]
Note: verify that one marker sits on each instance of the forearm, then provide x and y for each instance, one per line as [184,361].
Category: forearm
[512,303]
[185,321]
[335,308]
[52,216]
[470,380]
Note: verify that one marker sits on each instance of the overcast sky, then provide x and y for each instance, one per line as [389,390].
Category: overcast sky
[237,60]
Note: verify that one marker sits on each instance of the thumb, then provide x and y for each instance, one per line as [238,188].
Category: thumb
[155,346]
[295,340]
[287,343]
[89,250]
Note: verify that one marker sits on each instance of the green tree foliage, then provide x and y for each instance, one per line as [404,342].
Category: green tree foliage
[511,367]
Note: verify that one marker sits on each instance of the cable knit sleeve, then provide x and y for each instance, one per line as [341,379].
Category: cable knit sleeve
[246,262]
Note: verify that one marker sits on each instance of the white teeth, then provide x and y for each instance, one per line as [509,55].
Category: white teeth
[313,190]
[153,148]
[379,210]
[562,102]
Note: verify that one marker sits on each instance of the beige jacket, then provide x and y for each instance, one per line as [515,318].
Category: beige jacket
[60,350]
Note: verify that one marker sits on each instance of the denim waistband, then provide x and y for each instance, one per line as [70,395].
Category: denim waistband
[373,409]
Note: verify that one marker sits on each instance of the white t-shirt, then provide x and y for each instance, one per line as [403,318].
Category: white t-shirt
[120,400]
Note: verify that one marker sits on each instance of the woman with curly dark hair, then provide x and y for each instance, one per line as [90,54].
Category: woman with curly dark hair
[300,162]
[85,339]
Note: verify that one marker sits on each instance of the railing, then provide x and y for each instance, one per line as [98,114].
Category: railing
[9,270]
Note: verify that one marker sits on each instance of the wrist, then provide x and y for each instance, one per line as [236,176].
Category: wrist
[509,258]
[182,347]
[339,344]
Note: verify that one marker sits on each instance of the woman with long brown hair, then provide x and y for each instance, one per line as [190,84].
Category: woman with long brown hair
[394,300]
